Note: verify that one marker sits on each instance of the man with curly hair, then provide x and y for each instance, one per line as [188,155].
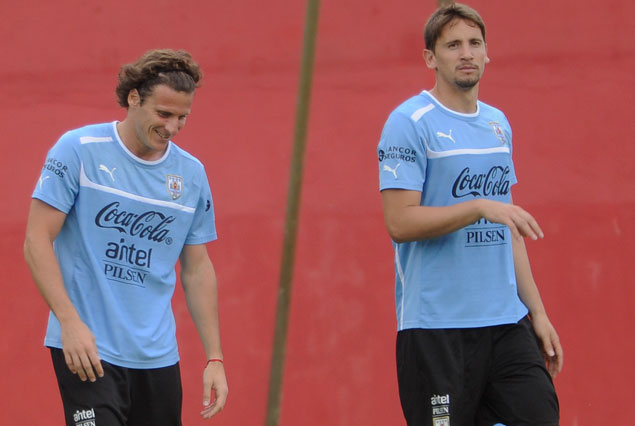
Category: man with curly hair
[116,205]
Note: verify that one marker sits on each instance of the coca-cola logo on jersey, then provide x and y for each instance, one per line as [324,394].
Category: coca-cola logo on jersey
[494,182]
[150,225]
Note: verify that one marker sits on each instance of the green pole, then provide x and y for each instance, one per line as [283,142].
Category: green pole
[291,224]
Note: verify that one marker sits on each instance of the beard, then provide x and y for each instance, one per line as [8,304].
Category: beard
[467,83]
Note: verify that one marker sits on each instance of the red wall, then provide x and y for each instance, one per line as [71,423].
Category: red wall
[562,71]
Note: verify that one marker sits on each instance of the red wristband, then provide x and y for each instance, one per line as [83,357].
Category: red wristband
[213,360]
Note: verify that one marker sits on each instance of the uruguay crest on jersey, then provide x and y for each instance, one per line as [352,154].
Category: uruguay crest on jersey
[175,186]
[498,131]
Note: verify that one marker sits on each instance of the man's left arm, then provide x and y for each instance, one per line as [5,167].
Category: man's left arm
[200,287]
[528,293]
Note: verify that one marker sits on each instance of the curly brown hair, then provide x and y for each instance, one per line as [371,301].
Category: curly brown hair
[174,68]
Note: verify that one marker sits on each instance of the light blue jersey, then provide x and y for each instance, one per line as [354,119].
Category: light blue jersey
[127,221]
[466,278]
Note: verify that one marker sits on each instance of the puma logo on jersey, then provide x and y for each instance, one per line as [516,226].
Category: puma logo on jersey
[447,136]
[110,172]
[42,179]
[387,168]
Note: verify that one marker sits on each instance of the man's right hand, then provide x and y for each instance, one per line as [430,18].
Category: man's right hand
[78,342]
[80,351]
[519,221]
[407,220]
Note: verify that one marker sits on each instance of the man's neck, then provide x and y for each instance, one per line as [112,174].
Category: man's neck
[123,128]
[130,140]
[456,99]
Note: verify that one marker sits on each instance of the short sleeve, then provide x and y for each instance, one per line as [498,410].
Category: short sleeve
[507,130]
[58,184]
[203,229]
[401,154]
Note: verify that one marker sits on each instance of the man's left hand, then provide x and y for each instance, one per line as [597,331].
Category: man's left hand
[214,379]
[549,342]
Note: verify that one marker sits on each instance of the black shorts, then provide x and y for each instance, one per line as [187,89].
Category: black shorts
[123,397]
[475,377]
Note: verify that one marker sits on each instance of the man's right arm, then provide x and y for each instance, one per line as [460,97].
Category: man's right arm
[406,220]
[80,349]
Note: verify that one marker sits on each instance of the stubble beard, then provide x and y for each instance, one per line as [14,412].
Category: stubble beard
[467,83]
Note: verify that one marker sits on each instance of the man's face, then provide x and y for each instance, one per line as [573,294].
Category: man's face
[157,120]
[459,56]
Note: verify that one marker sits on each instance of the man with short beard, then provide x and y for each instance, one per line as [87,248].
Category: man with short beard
[469,312]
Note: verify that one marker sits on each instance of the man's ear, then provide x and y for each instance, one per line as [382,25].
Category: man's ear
[428,56]
[134,99]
